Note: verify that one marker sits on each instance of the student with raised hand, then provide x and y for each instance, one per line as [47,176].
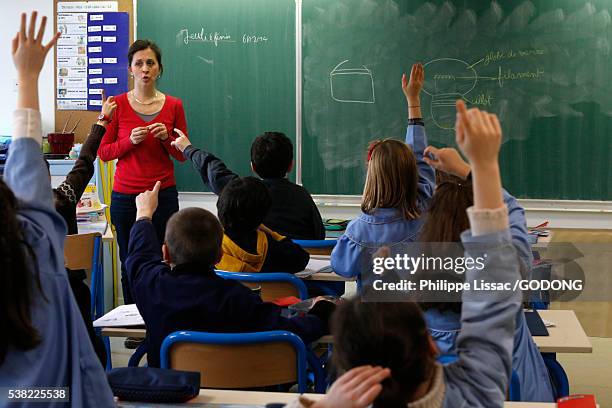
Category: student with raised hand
[445,221]
[67,195]
[249,245]
[181,291]
[394,336]
[292,212]
[399,184]
[44,342]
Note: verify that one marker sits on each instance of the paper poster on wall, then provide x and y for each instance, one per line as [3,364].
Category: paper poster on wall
[71,58]
[91,55]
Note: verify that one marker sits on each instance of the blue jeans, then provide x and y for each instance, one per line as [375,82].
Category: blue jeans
[123,215]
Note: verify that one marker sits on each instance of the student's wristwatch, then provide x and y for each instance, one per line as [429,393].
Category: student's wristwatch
[103,117]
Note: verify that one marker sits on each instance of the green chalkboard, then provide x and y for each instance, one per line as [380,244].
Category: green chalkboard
[545,67]
[232,62]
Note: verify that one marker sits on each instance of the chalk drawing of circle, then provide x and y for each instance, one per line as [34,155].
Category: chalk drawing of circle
[447,79]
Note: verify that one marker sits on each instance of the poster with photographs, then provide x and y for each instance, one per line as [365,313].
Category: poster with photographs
[90,54]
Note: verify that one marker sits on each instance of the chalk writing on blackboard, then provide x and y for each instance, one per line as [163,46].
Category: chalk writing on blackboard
[352,85]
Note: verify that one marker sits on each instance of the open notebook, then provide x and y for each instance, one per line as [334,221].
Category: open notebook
[315,266]
[121,316]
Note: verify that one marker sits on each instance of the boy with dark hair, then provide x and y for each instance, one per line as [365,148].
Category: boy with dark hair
[248,245]
[292,211]
[181,290]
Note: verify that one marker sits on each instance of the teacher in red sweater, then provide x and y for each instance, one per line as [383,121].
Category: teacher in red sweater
[139,136]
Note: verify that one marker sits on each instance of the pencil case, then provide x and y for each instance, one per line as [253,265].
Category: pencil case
[150,384]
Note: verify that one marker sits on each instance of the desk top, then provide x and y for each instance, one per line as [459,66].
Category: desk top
[102,227]
[567,336]
[261,398]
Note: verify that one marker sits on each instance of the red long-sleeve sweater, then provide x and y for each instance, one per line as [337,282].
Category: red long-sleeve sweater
[140,166]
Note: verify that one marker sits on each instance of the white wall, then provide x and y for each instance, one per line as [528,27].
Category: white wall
[8,76]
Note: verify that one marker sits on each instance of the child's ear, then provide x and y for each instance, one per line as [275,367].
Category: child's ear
[290,166]
[166,254]
[433,347]
[253,168]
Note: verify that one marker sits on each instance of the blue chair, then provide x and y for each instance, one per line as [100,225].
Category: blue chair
[557,374]
[317,246]
[238,360]
[84,251]
[274,285]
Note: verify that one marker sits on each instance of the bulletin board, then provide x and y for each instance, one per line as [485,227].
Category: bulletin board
[87,118]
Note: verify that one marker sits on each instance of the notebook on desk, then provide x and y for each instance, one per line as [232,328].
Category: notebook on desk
[315,266]
[121,316]
[535,323]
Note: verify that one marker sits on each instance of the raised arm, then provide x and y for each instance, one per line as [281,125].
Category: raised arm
[143,249]
[212,169]
[76,181]
[415,134]
[450,161]
[487,318]
[26,173]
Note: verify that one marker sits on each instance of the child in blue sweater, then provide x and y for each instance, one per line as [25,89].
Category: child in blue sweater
[385,347]
[398,186]
[44,342]
[444,223]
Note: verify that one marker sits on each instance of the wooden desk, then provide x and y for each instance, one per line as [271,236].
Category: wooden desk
[543,242]
[208,396]
[567,336]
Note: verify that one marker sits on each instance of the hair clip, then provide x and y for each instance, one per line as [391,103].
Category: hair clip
[371,148]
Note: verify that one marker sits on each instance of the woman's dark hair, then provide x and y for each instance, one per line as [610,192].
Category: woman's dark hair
[243,204]
[15,281]
[386,334]
[140,45]
[445,221]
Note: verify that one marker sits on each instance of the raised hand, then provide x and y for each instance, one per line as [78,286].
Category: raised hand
[478,134]
[447,160]
[146,203]
[108,105]
[181,142]
[412,87]
[29,57]
[28,50]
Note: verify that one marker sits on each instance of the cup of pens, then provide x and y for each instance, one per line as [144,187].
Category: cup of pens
[61,142]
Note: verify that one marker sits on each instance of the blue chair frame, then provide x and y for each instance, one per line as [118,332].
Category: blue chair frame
[316,243]
[558,377]
[267,277]
[97,295]
[274,336]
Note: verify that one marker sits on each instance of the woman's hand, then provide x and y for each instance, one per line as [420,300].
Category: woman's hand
[159,131]
[138,135]
[108,105]
[181,142]
[447,160]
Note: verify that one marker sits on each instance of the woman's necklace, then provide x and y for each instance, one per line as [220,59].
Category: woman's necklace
[144,103]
